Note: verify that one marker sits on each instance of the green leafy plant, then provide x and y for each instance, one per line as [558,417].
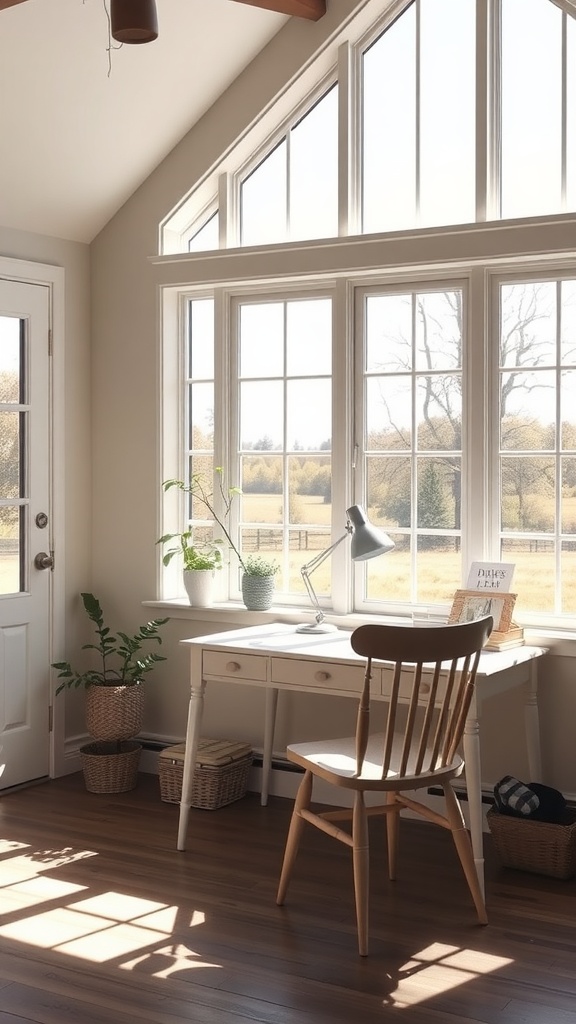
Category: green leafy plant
[207,555]
[200,491]
[255,565]
[121,663]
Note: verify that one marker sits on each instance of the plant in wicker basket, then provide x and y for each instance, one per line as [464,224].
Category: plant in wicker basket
[114,693]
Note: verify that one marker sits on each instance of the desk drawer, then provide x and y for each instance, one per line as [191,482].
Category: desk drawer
[232,665]
[318,675]
[407,682]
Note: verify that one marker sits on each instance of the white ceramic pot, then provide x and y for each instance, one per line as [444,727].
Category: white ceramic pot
[199,584]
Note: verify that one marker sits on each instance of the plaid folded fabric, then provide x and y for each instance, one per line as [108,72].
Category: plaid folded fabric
[513,797]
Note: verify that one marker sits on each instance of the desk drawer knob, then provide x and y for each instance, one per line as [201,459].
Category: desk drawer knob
[232,666]
[425,688]
[321,677]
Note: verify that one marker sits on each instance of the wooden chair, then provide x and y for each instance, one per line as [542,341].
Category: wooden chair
[433,669]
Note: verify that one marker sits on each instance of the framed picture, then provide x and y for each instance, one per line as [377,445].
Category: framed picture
[473,604]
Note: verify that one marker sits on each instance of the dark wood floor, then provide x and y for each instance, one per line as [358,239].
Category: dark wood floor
[103,921]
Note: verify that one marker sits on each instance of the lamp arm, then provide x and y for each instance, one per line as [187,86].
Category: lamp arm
[307,570]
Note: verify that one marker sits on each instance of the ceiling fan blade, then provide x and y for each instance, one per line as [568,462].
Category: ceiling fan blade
[311,9]
[9,3]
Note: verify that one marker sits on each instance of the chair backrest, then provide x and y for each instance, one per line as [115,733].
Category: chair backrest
[441,662]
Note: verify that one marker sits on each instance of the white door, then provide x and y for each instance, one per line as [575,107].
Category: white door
[25,532]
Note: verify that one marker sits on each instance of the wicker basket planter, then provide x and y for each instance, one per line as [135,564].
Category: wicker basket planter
[107,770]
[220,776]
[115,712]
[541,847]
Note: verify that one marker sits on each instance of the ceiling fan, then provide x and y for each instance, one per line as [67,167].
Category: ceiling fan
[136,21]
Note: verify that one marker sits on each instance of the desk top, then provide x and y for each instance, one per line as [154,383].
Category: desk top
[281,638]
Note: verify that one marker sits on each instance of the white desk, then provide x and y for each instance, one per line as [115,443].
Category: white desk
[275,658]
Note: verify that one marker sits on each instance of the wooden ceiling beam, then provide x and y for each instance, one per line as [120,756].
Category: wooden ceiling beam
[311,9]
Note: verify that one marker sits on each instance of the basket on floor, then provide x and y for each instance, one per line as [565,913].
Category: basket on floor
[110,767]
[220,775]
[542,847]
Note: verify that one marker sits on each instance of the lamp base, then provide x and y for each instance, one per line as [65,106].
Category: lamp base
[316,627]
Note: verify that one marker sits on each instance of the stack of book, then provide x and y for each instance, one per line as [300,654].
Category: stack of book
[498,641]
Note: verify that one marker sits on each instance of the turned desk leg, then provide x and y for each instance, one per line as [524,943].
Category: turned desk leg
[195,710]
[269,727]
[471,743]
[532,725]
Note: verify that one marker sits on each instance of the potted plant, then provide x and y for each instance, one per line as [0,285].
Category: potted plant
[199,561]
[257,573]
[258,582]
[114,695]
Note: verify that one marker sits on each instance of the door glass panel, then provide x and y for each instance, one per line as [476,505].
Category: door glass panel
[12,455]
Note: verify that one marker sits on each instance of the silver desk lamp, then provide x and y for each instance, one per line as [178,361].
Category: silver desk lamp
[367,542]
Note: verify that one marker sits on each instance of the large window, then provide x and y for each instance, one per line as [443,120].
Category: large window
[425,367]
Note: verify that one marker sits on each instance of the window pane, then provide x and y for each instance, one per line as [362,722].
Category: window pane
[262,339]
[528,411]
[439,331]
[314,171]
[389,491]
[11,378]
[528,333]
[388,413]
[310,491]
[201,419]
[261,415]
[263,201]
[10,447]
[534,574]
[568,313]
[207,237]
[528,495]
[201,339]
[439,413]
[388,332]
[389,128]
[531,108]
[438,500]
[309,337]
[262,489]
[447,112]
[309,415]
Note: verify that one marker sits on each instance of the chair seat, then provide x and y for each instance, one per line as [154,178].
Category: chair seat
[335,761]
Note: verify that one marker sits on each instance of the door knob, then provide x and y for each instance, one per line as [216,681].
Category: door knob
[43,561]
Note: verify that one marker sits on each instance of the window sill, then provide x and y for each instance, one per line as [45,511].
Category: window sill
[560,642]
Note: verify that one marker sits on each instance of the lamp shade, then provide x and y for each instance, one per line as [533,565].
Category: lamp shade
[134,21]
[367,541]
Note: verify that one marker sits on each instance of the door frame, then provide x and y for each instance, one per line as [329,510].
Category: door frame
[28,272]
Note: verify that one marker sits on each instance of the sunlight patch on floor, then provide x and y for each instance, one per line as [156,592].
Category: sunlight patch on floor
[440,968]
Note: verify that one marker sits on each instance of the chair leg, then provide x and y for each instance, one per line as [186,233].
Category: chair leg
[303,798]
[392,834]
[361,862]
[464,850]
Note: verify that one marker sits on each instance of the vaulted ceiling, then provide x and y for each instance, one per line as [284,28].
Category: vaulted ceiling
[78,136]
